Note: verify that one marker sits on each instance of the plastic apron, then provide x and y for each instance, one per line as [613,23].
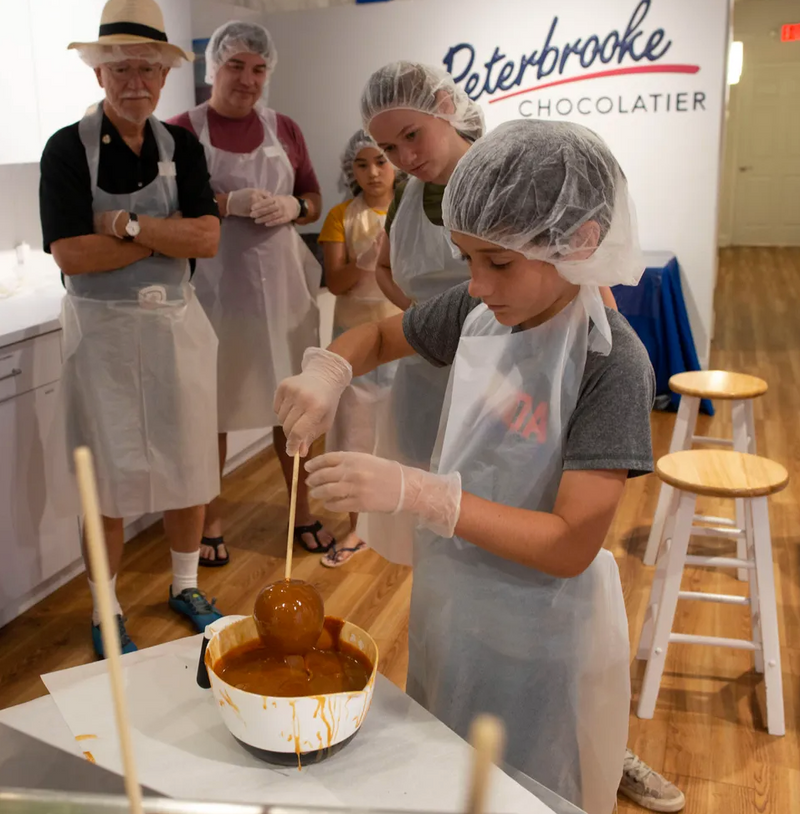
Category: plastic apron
[548,655]
[355,424]
[138,385]
[424,264]
[260,291]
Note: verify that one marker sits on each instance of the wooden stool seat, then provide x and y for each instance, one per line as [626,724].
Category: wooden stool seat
[717,384]
[722,473]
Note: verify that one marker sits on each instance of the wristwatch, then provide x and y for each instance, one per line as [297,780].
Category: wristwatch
[132,228]
[303,207]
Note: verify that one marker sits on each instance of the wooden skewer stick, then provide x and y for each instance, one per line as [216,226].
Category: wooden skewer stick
[98,559]
[292,513]
[487,736]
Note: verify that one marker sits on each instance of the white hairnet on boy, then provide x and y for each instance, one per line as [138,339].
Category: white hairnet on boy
[534,186]
[236,37]
[424,88]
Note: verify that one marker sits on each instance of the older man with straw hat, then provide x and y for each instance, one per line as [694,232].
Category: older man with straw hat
[125,201]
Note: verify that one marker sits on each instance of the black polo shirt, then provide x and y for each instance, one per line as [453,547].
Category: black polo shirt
[65,194]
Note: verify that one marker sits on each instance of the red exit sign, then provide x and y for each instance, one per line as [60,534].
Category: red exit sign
[790,33]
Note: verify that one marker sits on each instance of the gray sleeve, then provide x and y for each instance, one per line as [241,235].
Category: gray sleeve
[433,328]
[610,427]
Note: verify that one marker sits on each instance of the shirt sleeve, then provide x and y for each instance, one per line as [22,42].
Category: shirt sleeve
[65,195]
[182,120]
[195,196]
[333,228]
[305,179]
[433,328]
[610,427]
[391,214]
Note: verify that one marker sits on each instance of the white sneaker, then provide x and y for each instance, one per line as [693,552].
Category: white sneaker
[648,788]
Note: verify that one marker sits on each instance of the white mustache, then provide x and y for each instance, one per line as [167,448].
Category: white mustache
[136,95]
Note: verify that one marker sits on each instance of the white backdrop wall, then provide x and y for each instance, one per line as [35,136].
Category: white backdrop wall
[663,122]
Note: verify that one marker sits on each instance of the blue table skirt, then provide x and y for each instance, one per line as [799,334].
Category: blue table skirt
[656,310]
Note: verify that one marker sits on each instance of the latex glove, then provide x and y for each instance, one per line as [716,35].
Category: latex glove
[358,482]
[275,210]
[368,259]
[242,201]
[306,404]
[110,223]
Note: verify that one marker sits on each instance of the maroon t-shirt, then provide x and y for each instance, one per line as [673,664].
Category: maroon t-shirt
[247,134]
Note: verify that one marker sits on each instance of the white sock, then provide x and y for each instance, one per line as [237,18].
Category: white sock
[115,608]
[184,570]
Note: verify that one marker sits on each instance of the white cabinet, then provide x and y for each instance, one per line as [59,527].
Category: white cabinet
[34,547]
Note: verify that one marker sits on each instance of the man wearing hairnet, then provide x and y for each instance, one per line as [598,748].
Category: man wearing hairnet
[125,200]
[260,290]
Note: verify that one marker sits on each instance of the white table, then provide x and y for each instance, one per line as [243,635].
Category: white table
[402,759]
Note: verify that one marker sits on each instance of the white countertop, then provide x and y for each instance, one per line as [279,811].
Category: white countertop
[34,308]
[402,759]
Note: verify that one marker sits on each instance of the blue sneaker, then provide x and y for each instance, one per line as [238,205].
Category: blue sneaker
[124,639]
[192,602]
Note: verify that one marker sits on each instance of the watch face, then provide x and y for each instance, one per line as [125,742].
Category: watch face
[133,228]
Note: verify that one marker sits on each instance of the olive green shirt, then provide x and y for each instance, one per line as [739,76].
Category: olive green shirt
[432,195]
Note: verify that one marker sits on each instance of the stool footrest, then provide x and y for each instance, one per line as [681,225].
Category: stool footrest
[717,641]
[717,531]
[717,442]
[719,562]
[725,599]
[717,521]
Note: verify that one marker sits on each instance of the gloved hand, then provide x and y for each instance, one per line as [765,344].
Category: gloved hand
[368,259]
[109,223]
[306,404]
[275,210]
[358,482]
[242,201]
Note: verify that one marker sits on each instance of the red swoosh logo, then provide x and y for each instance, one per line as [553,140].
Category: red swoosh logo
[601,75]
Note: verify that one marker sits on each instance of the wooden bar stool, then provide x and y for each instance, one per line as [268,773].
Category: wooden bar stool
[738,388]
[725,474]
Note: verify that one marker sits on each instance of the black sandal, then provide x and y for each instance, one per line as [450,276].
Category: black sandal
[314,529]
[215,543]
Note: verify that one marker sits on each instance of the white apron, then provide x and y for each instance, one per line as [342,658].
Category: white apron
[424,264]
[547,655]
[138,384]
[260,291]
[355,423]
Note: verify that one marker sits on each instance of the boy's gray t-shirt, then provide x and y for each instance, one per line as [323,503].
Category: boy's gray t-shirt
[610,428]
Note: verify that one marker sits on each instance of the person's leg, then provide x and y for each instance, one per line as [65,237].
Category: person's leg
[323,539]
[212,527]
[114,532]
[183,528]
[343,550]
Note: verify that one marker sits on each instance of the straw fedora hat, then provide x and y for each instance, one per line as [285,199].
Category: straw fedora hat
[133,22]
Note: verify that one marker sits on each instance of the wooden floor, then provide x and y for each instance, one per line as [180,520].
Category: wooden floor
[708,733]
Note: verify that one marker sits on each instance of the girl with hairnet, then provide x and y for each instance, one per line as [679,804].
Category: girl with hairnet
[260,290]
[351,239]
[516,609]
[424,123]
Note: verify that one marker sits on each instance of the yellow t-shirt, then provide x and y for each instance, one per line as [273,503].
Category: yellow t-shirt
[333,228]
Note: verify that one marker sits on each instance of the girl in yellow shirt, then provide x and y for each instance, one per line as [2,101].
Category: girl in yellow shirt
[351,238]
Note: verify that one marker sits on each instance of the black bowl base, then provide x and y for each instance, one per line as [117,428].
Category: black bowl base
[291,758]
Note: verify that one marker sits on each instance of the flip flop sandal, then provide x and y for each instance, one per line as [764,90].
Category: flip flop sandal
[215,543]
[314,529]
[334,562]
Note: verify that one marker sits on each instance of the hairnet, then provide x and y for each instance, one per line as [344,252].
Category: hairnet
[530,186]
[355,144]
[413,86]
[96,54]
[237,37]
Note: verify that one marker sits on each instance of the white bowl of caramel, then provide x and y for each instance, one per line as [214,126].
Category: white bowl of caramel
[292,709]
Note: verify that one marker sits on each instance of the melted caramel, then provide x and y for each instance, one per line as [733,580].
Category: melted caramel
[331,666]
